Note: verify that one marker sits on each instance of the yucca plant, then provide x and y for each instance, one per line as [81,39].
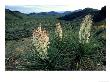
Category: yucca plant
[86,47]
[85,28]
[58,31]
[41,42]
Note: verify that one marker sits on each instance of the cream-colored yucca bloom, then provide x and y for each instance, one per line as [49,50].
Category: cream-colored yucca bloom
[41,42]
[85,29]
[58,31]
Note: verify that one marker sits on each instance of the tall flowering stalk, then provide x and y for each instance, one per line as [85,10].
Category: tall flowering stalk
[41,42]
[58,31]
[85,29]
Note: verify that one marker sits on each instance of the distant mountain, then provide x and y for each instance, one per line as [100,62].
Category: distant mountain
[101,15]
[78,13]
[32,14]
[79,10]
[66,12]
[18,15]
[98,15]
[51,13]
[14,14]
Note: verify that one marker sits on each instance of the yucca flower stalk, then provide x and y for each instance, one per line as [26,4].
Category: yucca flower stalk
[84,33]
[58,31]
[41,42]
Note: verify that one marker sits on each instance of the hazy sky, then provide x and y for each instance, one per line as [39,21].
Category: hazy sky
[46,8]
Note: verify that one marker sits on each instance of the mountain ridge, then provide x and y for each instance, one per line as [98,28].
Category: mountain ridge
[98,15]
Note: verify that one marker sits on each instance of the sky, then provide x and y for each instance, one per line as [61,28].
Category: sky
[47,8]
[29,6]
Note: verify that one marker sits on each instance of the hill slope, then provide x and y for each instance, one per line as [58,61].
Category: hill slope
[80,13]
[14,15]
[101,15]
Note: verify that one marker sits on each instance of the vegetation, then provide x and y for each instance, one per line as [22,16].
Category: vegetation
[101,15]
[98,15]
[68,53]
[79,14]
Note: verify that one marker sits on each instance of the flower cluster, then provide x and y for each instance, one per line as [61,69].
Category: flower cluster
[58,31]
[85,29]
[41,42]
